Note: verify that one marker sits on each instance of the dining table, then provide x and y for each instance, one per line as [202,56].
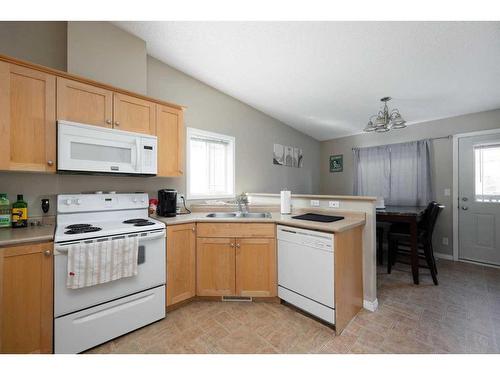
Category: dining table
[410,215]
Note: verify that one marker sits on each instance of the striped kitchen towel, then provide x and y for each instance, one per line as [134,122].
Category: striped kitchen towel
[99,262]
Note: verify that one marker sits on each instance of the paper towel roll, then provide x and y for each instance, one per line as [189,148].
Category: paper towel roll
[286,202]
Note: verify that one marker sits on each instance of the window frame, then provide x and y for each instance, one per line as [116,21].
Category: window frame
[190,132]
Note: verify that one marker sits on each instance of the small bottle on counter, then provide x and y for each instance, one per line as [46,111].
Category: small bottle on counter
[19,213]
[4,211]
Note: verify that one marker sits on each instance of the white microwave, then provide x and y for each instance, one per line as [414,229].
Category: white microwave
[94,149]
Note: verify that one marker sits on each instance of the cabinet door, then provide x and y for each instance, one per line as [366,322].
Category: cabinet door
[181,263]
[26,295]
[215,267]
[27,119]
[84,103]
[170,133]
[133,114]
[256,267]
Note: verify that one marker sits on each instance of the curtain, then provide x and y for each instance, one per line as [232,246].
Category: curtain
[372,171]
[401,173]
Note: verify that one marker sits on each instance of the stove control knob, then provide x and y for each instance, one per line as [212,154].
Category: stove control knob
[134,200]
[68,202]
[78,201]
[143,200]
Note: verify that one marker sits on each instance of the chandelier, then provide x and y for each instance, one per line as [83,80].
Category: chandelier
[385,120]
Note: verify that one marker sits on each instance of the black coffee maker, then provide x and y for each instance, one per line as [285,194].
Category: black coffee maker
[167,202]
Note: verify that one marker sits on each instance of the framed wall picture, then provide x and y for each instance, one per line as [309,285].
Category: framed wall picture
[278,154]
[336,163]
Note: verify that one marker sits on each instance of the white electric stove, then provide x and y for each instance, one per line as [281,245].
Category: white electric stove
[86,317]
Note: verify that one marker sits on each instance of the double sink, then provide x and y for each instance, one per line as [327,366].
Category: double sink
[240,215]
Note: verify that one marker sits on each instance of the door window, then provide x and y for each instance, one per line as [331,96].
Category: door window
[487,173]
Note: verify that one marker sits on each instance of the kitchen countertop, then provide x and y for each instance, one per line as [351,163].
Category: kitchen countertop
[45,232]
[351,220]
[36,233]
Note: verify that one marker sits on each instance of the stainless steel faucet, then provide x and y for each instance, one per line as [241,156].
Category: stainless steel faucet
[241,200]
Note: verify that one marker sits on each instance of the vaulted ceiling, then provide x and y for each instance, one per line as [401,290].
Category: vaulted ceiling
[326,78]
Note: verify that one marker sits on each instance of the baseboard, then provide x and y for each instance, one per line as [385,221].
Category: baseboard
[370,305]
[443,256]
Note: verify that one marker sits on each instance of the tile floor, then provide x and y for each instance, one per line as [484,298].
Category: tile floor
[461,315]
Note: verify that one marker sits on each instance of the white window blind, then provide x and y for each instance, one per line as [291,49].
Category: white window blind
[210,163]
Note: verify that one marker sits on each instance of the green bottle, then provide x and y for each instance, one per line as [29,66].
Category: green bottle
[19,213]
[4,211]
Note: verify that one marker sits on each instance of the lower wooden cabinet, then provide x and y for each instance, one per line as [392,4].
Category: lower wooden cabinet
[181,263]
[236,267]
[215,267]
[26,298]
[256,267]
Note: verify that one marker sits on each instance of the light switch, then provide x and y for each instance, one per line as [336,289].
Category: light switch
[447,192]
[445,241]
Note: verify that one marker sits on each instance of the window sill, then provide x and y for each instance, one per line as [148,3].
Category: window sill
[210,197]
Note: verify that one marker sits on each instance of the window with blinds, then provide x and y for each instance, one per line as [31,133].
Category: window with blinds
[210,165]
[487,173]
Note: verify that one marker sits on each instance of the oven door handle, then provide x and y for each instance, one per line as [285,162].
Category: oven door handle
[63,249]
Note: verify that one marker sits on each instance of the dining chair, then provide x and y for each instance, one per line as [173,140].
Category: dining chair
[399,240]
[380,245]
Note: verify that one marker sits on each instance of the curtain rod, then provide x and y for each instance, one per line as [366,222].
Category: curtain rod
[430,139]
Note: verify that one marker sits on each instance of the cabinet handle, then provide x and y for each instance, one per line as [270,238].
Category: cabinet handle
[232,244]
[108,122]
[237,245]
[193,229]
[117,123]
[47,253]
[50,162]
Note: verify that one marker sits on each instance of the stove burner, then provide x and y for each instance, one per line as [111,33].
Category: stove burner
[78,226]
[143,223]
[83,230]
[136,221]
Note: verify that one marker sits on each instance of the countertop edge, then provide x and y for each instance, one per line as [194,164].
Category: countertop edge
[287,222]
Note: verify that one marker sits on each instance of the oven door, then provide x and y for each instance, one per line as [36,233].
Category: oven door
[86,148]
[151,273]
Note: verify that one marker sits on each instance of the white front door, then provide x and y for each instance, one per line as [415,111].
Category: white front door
[479,198]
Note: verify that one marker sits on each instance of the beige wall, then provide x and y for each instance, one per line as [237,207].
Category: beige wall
[341,182]
[207,109]
[254,131]
[43,43]
[105,53]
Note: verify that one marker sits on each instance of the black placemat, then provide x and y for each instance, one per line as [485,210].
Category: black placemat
[318,217]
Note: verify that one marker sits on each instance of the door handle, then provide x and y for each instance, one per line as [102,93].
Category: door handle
[465,199]
[465,208]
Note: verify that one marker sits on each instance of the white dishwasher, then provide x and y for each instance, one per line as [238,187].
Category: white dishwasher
[306,271]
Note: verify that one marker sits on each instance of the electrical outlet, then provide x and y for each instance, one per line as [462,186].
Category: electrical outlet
[334,204]
[445,241]
[314,203]
[447,192]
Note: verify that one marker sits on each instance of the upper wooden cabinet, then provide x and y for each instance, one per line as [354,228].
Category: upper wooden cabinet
[171,139]
[26,298]
[33,98]
[84,103]
[27,119]
[181,263]
[133,114]
[256,267]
